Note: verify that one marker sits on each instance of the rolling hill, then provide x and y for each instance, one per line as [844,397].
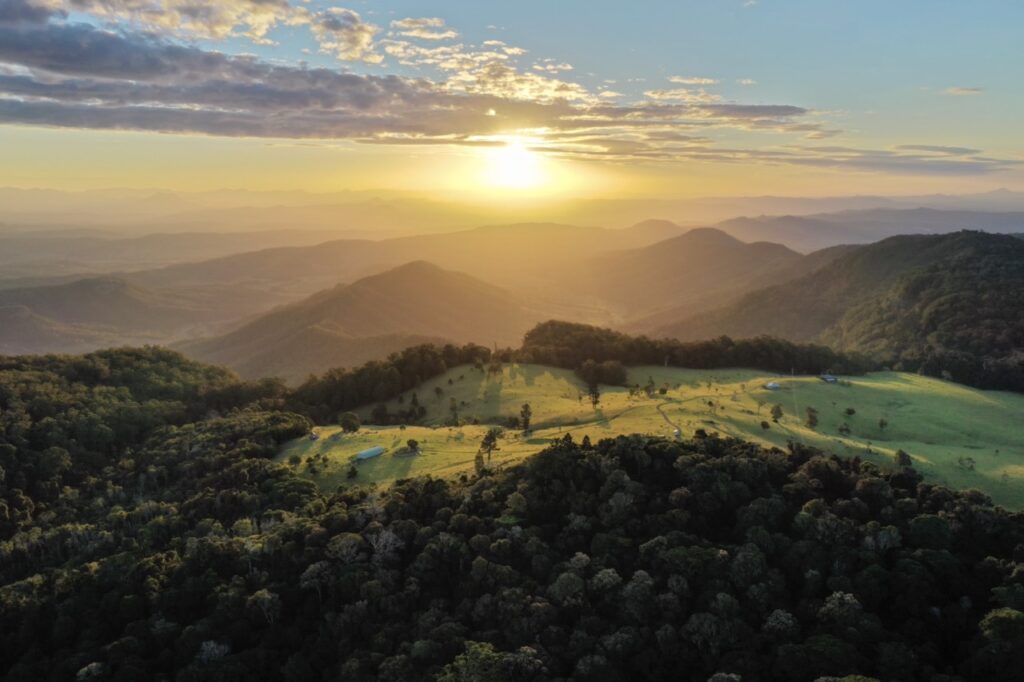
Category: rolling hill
[22,332]
[691,271]
[932,302]
[349,324]
[97,312]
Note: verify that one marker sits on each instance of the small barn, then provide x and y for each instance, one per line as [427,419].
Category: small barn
[829,379]
[370,453]
[773,385]
[313,436]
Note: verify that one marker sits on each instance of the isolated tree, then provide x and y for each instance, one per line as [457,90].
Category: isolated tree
[525,415]
[438,391]
[776,413]
[844,429]
[594,391]
[760,404]
[453,408]
[882,423]
[765,425]
[349,422]
[812,418]
[490,442]
[903,459]
[850,411]
[413,444]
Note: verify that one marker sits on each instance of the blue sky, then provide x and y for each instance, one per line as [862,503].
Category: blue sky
[910,90]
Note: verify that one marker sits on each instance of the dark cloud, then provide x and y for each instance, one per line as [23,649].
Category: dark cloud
[939,149]
[25,12]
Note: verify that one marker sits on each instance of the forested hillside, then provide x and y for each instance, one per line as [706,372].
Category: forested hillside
[946,305]
[963,319]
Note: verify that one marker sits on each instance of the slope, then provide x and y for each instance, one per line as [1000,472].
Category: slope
[368,319]
[803,308]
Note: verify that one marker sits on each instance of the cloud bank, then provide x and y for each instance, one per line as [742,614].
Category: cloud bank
[130,69]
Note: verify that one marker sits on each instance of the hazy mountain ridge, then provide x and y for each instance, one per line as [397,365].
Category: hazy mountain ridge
[414,303]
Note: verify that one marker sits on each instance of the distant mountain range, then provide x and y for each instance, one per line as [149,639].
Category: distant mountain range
[808,233]
[381,213]
[296,309]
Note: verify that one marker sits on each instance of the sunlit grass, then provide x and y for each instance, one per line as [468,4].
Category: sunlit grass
[939,423]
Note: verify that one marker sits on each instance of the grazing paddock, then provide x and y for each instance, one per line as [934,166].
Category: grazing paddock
[957,436]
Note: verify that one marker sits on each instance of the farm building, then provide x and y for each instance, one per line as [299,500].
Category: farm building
[773,386]
[829,379]
[370,453]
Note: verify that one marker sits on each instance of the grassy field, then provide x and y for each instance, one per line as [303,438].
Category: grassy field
[958,436]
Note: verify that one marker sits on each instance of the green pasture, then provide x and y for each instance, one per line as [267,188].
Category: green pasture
[958,436]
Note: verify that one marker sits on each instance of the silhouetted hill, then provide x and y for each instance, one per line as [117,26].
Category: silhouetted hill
[691,272]
[350,324]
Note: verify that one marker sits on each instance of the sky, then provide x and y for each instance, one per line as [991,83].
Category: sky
[514,99]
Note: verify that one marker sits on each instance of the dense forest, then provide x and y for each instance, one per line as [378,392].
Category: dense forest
[569,345]
[962,320]
[148,535]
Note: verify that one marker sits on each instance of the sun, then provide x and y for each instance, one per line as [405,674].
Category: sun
[514,165]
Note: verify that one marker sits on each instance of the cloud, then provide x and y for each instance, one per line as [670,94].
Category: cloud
[682,95]
[689,80]
[746,82]
[213,19]
[77,75]
[343,33]
[939,149]
[961,91]
[26,12]
[424,28]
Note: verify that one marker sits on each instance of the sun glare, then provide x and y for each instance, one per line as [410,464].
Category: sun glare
[514,166]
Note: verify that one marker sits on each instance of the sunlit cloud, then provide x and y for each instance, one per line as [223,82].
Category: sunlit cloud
[424,28]
[962,91]
[81,75]
[690,80]
[343,33]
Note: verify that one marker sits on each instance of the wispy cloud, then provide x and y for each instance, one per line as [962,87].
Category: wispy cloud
[692,80]
[958,91]
[424,28]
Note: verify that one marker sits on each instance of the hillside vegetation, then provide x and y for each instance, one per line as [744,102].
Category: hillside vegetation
[940,304]
[146,532]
